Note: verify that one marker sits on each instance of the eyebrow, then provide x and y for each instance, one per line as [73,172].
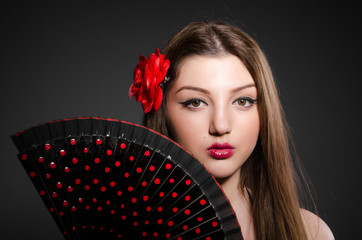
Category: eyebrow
[207,92]
[243,87]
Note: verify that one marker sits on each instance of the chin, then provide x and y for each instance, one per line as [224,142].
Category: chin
[221,170]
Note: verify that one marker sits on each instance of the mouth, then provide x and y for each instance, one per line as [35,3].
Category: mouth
[220,150]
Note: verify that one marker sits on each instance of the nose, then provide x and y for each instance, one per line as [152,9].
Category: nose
[220,122]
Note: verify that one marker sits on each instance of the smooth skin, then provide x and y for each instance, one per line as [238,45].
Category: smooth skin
[214,100]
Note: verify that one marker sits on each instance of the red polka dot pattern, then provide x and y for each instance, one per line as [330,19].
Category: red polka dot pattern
[109,187]
[53,165]
[73,141]
[62,152]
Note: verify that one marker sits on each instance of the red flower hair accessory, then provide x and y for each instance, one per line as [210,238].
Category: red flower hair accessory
[148,75]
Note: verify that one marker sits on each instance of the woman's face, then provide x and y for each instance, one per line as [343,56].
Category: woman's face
[211,111]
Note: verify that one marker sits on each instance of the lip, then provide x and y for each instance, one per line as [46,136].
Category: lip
[220,150]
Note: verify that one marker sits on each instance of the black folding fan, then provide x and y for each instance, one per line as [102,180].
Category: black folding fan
[110,179]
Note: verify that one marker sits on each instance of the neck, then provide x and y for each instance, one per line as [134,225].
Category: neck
[240,202]
[231,186]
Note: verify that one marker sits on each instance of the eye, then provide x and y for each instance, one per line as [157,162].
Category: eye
[196,103]
[244,102]
[193,103]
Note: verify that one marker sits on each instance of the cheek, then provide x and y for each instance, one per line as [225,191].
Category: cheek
[253,127]
[188,131]
[248,131]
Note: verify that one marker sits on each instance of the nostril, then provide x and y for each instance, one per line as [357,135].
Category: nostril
[219,130]
[220,119]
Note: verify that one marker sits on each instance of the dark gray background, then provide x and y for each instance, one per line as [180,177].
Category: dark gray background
[65,59]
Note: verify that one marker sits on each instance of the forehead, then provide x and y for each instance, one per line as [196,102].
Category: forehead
[218,71]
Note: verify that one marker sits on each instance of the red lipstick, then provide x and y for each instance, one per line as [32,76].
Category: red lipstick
[220,150]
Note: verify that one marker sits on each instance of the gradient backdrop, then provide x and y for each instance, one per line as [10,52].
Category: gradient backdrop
[63,59]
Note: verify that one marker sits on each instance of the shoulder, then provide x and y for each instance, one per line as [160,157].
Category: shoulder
[316,228]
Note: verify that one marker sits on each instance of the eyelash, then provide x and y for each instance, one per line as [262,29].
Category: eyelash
[248,99]
[190,101]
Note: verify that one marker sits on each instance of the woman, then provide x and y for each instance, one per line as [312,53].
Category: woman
[219,101]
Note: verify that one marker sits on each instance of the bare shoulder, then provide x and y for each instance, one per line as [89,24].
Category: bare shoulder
[316,228]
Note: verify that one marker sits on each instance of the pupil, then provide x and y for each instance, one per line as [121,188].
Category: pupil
[241,101]
[196,103]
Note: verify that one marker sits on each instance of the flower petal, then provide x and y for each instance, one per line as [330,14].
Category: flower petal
[158,100]
[148,75]
[147,106]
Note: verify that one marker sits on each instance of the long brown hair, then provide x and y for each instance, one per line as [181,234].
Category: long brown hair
[269,172]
